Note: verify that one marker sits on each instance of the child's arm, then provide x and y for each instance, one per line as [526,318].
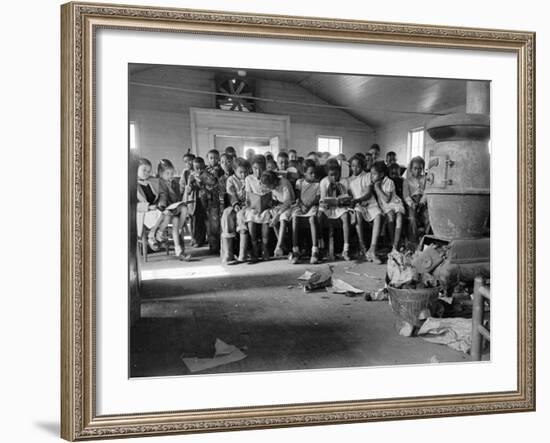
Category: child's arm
[163,197]
[407,194]
[385,196]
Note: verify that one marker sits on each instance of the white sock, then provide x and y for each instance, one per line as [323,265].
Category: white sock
[295,249]
[314,249]
[346,246]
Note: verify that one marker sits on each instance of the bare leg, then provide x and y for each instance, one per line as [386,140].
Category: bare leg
[345,228]
[391,225]
[253,240]
[294,232]
[313,229]
[360,231]
[162,226]
[265,241]
[376,225]
[243,246]
[398,229]
[280,239]
[176,235]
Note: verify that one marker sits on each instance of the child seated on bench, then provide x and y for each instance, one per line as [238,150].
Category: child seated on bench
[233,216]
[334,203]
[148,214]
[283,197]
[307,204]
[389,201]
[169,197]
[413,194]
[366,207]
[252,216]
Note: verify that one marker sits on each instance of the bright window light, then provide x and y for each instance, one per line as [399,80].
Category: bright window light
[133,138]
[415,143]
[329,144]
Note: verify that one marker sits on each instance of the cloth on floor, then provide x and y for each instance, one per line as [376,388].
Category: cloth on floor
[224,354]
[453,332]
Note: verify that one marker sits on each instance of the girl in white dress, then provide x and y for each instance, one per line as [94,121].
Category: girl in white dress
[307,203]
[283,197]
[366,207]
[389,201]
[334,189]
[252,217]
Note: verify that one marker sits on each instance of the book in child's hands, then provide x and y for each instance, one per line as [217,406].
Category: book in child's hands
[331,202]
[175,206]
[260,202]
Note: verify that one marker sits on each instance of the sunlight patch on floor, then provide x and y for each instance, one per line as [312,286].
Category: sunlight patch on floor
[182,273]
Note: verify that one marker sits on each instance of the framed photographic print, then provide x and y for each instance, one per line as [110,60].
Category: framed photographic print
[282,221]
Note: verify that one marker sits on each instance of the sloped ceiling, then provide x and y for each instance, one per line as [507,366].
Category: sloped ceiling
[373,100]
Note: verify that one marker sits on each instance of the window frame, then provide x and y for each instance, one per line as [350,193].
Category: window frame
[410,133]
[331,137]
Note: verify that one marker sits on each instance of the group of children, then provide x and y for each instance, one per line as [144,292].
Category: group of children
[220,199]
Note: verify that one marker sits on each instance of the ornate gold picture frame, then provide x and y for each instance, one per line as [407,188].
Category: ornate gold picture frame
[80,21]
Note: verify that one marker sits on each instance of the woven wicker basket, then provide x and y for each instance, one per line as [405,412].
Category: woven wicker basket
[408,304]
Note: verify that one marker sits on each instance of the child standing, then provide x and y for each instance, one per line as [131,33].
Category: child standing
[331,187]
[169,193]
[366,207]
[233,215]
[283,197]
[213,158]
[203,190]
[148,214]
[413,194]
[389,202]
[253,217]
[307,204]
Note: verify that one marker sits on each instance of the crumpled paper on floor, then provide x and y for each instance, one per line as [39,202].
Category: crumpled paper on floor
[320,278]
[453,332]
[224,354]
[341,287]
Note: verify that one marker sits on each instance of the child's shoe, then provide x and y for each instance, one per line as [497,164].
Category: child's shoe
[345,255]
[294,257]
[314,257]
[278,253]
[153,244]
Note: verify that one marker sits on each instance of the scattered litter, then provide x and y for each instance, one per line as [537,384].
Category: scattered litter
[453,332]
[380,295]
[368,296]
[321,278]
[341,287]
[289,287]
[352,273]
[404,274]
[224,354]
[434,359]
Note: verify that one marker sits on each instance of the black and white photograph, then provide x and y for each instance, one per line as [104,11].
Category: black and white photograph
[290,220]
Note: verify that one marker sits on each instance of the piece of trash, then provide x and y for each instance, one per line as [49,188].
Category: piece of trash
[368,296]
[380,295]
[224,353]
[434,359]
[404,328]
[321,278]
[453,332]
[289,287]
[341,287]
[352,273]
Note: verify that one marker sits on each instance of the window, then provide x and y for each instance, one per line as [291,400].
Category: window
[415,143]
[133,138]
[329,144]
